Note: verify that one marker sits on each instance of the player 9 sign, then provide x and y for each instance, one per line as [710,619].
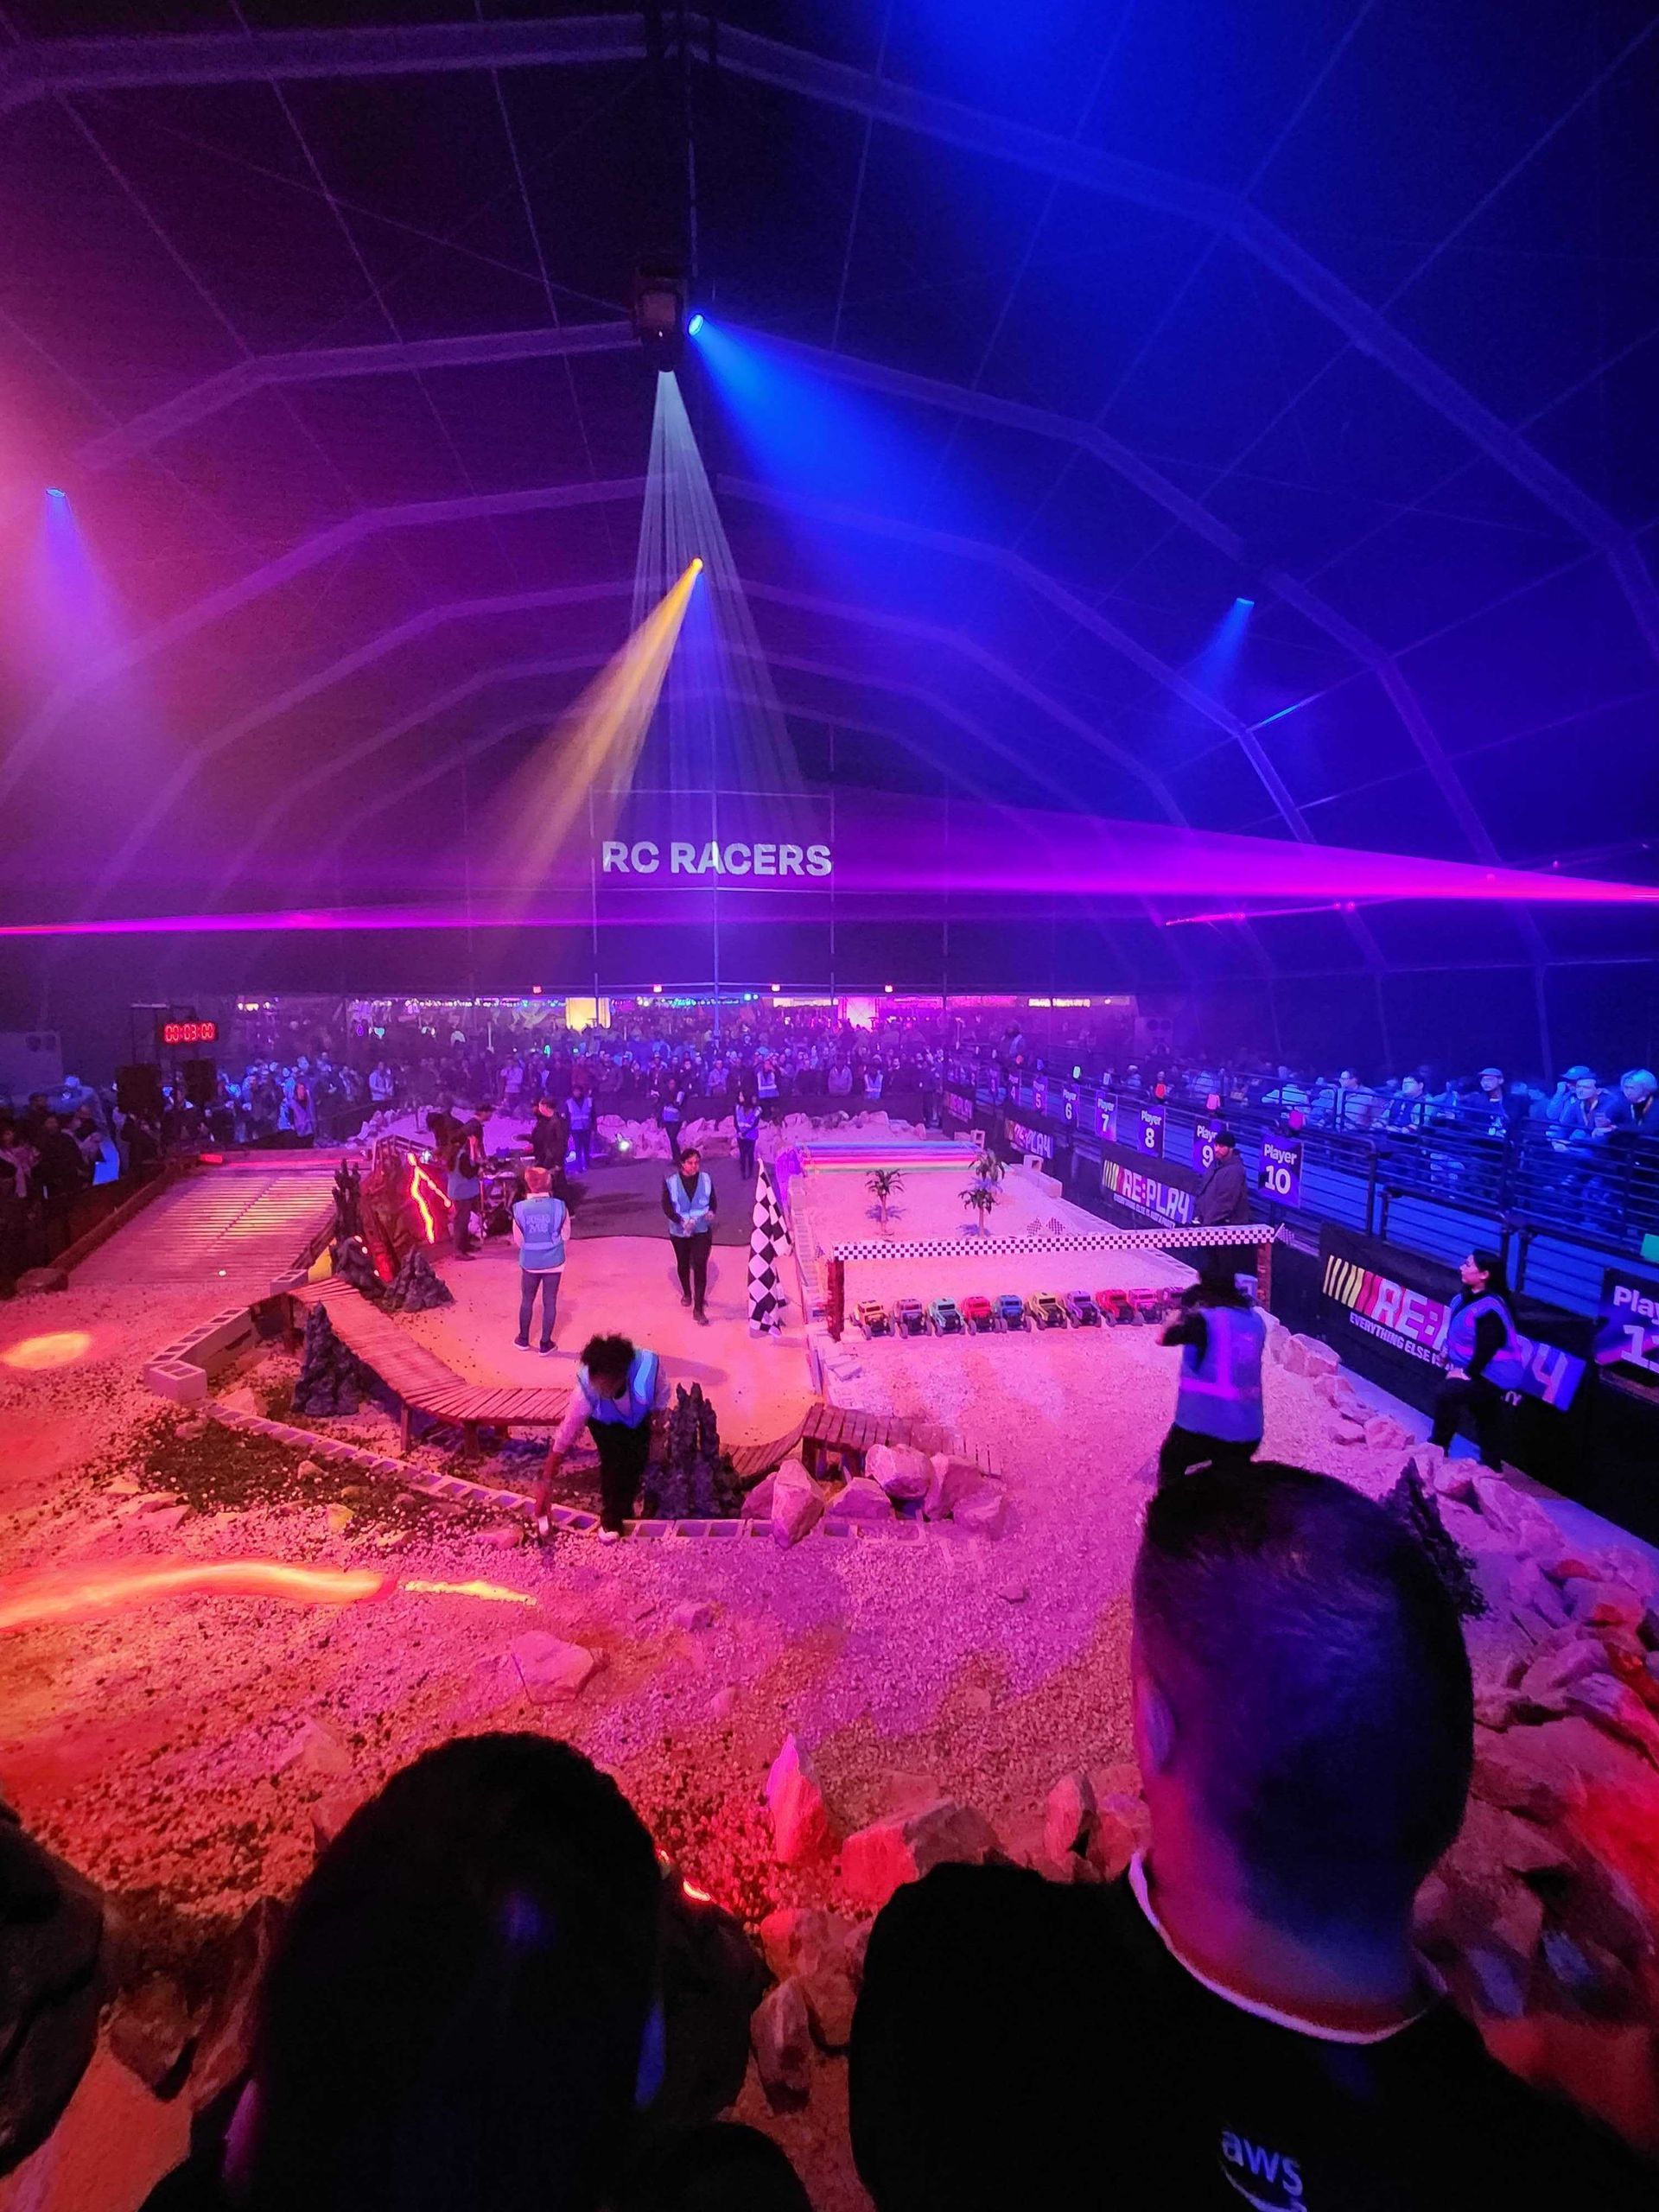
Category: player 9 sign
[1204,1144]
[1279,1177]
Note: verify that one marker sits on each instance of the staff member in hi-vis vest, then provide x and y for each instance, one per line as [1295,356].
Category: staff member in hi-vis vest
[1218,1398]
[619,1391]
[689,1201]
[746,1123]
[1484,1358]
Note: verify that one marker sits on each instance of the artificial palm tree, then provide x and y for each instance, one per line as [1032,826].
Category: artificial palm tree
[881,1183]
[981,1196]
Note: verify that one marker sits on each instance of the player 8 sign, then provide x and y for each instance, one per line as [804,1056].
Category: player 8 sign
[1279,1176]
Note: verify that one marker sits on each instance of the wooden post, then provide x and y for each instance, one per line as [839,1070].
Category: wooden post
[402,1428]
[1264,1275]
[836,1298]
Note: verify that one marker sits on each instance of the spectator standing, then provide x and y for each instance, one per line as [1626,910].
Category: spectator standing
[745,1127]
[580,1112]
[1223,1193]
[541,1223]
[1483,1357]
[1241,2019]
[619,1390]
[690,1203]
[1218,1403]
[466,1180]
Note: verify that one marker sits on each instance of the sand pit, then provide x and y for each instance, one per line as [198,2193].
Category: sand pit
[188,1754]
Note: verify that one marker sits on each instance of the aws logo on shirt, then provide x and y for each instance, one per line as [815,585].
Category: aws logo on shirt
[1266,2179]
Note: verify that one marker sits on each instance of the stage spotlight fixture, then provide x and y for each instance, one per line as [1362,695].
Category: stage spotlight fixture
[777,986]
[52,492]
[694,326]
[658,988]
[1245,603]
[888,987]
[659,312]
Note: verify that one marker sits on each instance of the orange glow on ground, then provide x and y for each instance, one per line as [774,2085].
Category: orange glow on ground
[62,1594]
[81,1594]
[492,1591]
[61,1349]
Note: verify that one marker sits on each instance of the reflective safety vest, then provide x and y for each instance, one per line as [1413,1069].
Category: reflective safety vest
[746,1116]
[765,1081]
[1220,1394]
[635,1403]
[692,1216]
[1508,1364]
[580,1109]
[541,1223]
[873,1082]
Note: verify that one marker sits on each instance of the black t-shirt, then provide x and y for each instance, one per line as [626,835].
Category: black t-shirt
[1021,2042]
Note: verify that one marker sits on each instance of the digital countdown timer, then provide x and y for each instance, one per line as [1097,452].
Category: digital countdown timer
[189,1032]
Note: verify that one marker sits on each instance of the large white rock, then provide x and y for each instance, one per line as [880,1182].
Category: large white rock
[880,1858]
[800,1818]
[797,1503]
[952,1478]
[781,2034]
[863,1500]
[902,1472]
[984,1510]
[549,1668]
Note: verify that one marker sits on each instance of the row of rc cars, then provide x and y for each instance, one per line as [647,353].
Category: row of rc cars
[1043,1309]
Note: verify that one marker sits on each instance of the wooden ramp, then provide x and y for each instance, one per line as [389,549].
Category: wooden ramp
[824,1431]
[234,1228]
[419,1379]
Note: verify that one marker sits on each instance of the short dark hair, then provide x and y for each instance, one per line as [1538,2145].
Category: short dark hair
[610,1355]
[1316,1671]
[1224,1137]
[455,2010]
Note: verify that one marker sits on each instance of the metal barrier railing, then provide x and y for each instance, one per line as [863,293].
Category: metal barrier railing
[1558,1211]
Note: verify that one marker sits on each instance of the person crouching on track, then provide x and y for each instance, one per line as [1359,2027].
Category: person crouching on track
[540,1225]
[688,1202]
[1483,1358]
[618,1391]
[1218,1400]
[746,1123]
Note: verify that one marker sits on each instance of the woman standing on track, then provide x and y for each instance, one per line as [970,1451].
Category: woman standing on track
[1483,1358]
[688,1202]
[541,1224]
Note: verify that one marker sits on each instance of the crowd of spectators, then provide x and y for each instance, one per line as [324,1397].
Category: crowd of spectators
[489,1993]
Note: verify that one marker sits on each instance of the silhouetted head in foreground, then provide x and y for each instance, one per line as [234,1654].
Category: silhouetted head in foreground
[462,2013]
[1303,1707]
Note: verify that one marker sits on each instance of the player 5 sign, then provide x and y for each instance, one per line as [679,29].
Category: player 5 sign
[1279,1176]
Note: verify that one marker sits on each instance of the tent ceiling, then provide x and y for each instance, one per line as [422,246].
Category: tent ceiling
[1100,316]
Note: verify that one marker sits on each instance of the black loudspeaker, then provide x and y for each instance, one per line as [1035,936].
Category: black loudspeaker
[200,1081]
[138,1089]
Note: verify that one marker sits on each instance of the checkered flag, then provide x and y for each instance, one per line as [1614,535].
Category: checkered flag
[768,1248]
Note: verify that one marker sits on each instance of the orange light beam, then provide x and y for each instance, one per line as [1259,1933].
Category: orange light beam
[80,1593]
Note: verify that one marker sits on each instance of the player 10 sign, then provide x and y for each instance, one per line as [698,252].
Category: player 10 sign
[1279,1177]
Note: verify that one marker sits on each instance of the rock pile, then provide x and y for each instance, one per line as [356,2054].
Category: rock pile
[329,1379]
[1548,1905]
[417,1285]
[898,1480]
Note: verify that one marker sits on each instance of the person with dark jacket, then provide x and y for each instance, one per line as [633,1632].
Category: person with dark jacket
[1224,1195]
[1483,1358]
[547,1139]
[1241,2017]
[1218,1398]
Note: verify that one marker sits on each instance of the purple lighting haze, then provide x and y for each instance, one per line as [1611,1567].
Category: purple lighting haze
[892,855]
